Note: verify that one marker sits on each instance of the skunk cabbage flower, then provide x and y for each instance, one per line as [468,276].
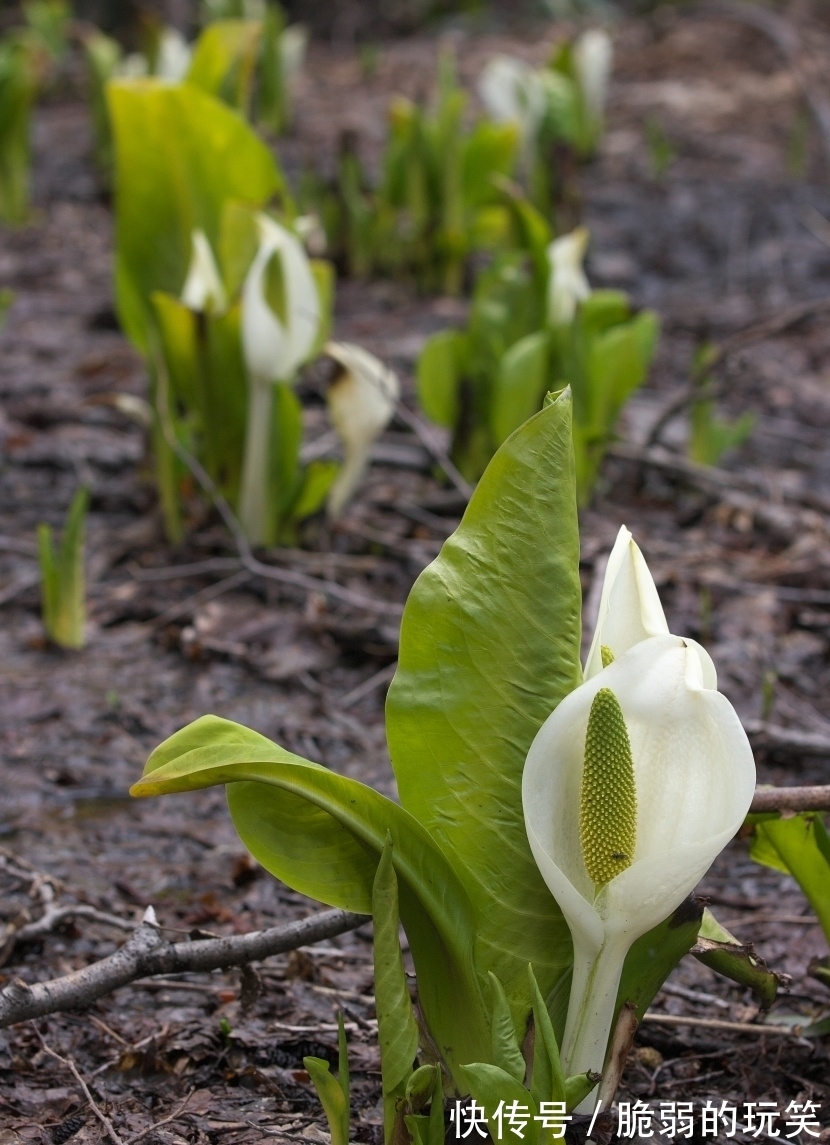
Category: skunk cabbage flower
[276,345]
[293,44]
[174,55]
[567,284]
[631,788]
[511,90]
[592,63]
[361,402]
[203,289]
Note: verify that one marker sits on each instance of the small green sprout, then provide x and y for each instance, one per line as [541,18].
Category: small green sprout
[62,573]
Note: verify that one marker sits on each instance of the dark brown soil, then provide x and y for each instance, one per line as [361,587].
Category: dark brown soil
[736,231]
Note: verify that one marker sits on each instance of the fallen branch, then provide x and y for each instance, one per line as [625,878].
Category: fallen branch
[146,952]
[791,799]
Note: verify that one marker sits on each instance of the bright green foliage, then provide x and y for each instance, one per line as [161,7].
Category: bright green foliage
[333,1093]
[6,299]
[186,163]
[437,199]
[62,577]
[798,846]
[103,55]
[489,646]
[225,60]
[17,92]
[397,1028]
[710,436]
[493,1086]
[47,25]
[484,381]
[425,1129]
[469,697]
[180,157]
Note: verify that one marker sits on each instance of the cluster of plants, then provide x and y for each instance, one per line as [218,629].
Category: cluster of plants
[214,287]
[535,325]
[438,198]
[553,818]
[245,56]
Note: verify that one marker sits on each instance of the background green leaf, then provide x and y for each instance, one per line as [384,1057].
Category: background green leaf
[180,155]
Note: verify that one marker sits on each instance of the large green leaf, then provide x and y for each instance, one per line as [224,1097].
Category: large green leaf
[179,155]
[323,834]
[489,647]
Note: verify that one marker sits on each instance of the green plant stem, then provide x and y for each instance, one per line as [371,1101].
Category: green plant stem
[596,979]
[255,502]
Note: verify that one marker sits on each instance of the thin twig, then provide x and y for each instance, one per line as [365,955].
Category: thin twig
[791,799]
[174,1116]
[235,580]
[376,680]
[93,1105]
[759,1028]
[146,953]
[55,916]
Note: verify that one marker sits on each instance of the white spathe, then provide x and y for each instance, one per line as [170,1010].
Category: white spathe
[174,56]
[592,56]
[361,402]
[567,284]
[293,45]
[276,346]
[512,91]
[695,778]
[630,609]
[203,289]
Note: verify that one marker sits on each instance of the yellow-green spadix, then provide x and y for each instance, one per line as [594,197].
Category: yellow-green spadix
[631,788]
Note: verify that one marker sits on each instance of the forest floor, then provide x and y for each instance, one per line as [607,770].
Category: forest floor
[710,202]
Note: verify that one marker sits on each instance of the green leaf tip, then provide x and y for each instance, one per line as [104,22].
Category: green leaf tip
[608,802]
